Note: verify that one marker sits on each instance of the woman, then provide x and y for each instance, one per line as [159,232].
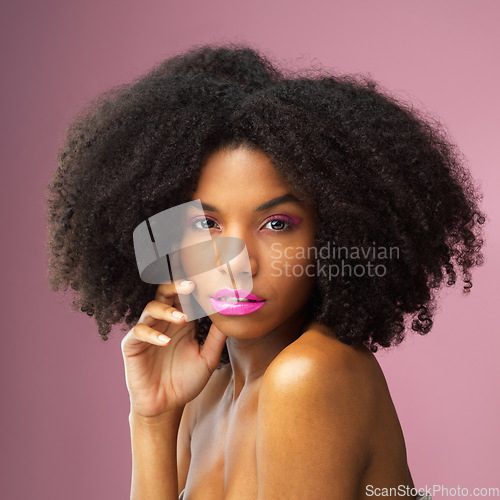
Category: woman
[280,397]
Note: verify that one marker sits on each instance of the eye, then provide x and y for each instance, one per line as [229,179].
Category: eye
[277,224]
[202,223]
[280,223]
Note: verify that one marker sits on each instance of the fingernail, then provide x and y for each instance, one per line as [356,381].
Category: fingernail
[185,283]
[177,314]
[163,338]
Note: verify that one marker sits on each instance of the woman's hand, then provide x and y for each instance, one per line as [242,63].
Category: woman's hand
[165,367]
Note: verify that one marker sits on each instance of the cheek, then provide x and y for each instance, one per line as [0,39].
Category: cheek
[293,273]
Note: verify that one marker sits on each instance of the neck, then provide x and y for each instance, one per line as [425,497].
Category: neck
[249,358]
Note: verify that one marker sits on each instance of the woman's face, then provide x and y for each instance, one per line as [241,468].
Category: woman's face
[244,197]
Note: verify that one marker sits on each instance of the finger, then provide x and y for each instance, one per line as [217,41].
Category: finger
[144,333]
[166,291]
[136,341]
[158,310]
[211,350]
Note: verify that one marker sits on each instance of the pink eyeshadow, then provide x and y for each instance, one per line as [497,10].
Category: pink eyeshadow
[295,220]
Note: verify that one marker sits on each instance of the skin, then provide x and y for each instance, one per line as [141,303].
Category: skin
[296,414]
[235,183]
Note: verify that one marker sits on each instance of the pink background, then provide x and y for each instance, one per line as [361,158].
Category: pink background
[64,409]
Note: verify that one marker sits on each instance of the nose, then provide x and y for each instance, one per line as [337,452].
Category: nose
[241,261]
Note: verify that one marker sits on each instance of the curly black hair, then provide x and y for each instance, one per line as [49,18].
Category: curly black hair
[380,173]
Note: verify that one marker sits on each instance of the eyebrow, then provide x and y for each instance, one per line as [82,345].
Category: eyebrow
[286,198]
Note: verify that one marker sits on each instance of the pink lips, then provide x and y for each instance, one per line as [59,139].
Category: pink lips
[235,308]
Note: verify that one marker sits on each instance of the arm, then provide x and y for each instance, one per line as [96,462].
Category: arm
[154,456]
[164,373]
[312,429]
[184,445]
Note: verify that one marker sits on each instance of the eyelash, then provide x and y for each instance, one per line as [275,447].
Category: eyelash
[282,218]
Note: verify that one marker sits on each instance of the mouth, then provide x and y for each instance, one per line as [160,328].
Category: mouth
[234,296]
[235,299]
[236,302]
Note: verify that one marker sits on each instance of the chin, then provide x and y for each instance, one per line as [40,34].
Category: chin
[240,327]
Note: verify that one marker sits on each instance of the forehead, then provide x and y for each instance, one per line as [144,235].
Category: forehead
[240,171]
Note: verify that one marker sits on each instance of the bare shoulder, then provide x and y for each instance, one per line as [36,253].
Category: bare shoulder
[317,403]
[342,383]
[317,356]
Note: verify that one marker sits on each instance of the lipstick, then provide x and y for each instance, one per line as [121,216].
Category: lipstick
[235,302]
